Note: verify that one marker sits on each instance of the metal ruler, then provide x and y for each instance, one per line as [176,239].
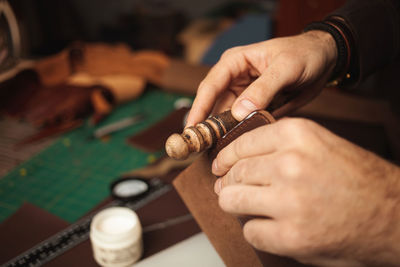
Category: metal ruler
[78,232]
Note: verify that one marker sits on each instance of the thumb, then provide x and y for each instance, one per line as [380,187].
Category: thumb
[261,92]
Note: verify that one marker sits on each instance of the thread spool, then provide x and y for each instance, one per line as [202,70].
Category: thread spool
[202,136]
[116,237]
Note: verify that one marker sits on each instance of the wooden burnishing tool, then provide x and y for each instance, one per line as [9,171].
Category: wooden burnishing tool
[200,137]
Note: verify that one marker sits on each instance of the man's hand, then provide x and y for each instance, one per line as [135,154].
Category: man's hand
[247,78]
[322,200]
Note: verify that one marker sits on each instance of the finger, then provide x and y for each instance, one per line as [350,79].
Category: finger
[260,93]
[262,140]
[258,170]
[263,234]
[218,186]
[250,200]
[224,102]
[216,81]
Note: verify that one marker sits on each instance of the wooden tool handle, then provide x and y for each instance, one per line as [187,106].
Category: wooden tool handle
[200,137]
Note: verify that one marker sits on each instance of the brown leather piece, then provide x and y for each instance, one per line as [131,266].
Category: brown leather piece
[55,109]
[57,90]
[196,187]
[153,139]
[100,59]
[28,226]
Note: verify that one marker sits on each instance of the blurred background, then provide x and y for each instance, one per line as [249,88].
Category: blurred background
[90,90]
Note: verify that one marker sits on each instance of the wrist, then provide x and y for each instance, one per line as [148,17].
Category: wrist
[343,48]
[325,45]
[328,47]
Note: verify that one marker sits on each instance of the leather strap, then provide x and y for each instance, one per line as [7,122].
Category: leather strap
[252,121]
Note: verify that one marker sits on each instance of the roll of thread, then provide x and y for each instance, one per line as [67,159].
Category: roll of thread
[116,237]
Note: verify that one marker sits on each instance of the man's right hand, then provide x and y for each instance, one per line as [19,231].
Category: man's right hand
[246,78]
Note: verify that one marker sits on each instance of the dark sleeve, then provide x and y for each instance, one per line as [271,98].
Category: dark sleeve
[375,29]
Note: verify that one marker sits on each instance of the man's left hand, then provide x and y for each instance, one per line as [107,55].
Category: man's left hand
[322,200]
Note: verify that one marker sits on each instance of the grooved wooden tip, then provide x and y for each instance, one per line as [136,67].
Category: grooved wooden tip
[177,147]
[200,137]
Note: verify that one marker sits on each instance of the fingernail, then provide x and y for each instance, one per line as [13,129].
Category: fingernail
[218,186]
[215,167]
[243,108]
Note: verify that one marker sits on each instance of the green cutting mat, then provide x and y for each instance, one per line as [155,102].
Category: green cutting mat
[72,176]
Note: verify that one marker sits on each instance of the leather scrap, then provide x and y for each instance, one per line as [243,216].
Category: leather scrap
[195,186]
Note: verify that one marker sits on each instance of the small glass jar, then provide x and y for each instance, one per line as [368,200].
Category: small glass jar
[116,237]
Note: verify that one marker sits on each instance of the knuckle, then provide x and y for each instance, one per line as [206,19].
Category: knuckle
[240,146]
[202,86]
[239,171]
[208,87]
[209,83]
[228,179]
[302,125]
[229,52]
[252,235]
[231,200]
[221,161]
[292,126]
[225,199]
[291,164]
[296,130]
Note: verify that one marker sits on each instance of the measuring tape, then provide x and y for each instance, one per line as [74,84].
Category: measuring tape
[79,231]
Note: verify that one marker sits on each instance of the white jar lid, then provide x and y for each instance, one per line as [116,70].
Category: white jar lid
[115,225]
